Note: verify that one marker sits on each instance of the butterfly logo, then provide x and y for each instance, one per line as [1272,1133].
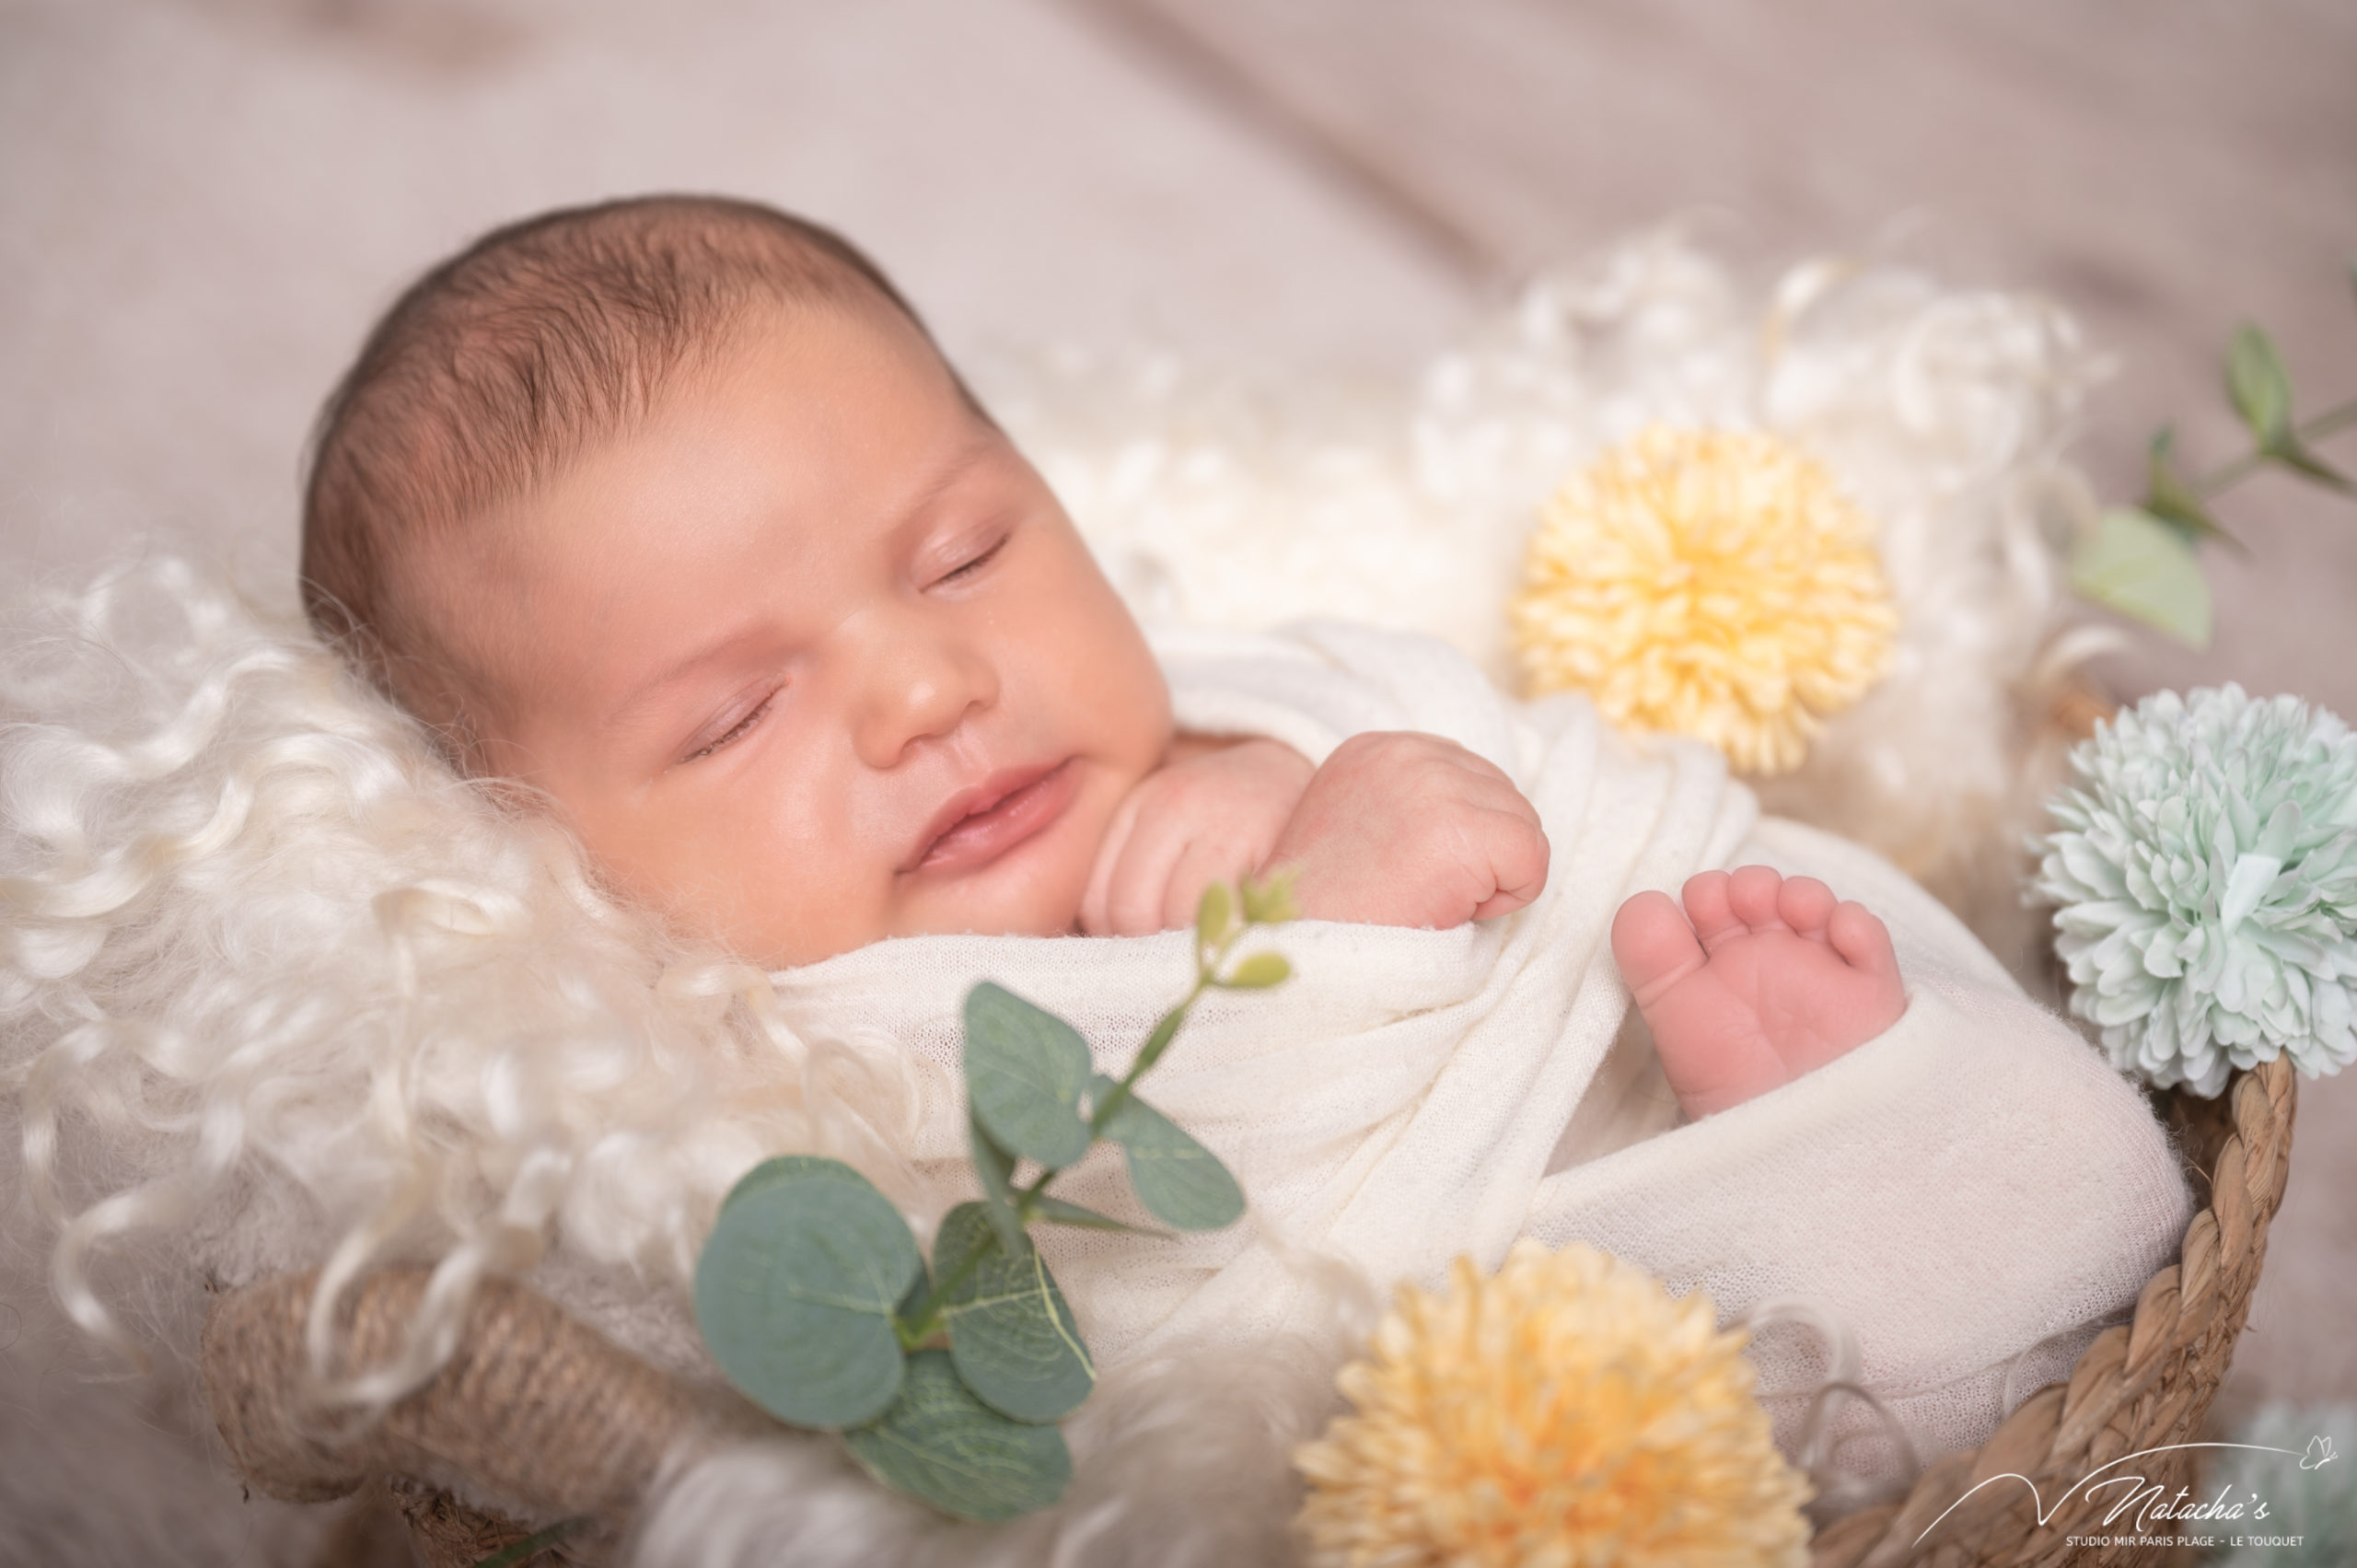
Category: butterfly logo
[2319,1454]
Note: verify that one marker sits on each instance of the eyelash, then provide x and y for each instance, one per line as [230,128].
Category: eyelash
[736,731]
[976,564]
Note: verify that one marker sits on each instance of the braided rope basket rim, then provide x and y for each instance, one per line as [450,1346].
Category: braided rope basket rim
[2143,1385]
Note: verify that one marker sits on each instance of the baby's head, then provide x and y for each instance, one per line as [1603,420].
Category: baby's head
[671,510]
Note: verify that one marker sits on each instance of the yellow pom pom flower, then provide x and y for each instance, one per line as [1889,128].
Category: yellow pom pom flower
[1716,584]
[1567,1412]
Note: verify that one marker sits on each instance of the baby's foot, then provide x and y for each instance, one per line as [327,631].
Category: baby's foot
[1772,978]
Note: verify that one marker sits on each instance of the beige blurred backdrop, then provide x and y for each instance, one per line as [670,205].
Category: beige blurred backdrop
[204,202]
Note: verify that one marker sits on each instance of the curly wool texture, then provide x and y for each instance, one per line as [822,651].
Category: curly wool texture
[276,987]
[2205,866]
[1716,584]
[1566,1411]
[259,939]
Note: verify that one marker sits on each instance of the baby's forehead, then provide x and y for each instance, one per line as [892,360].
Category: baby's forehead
[499,366]
[821,428]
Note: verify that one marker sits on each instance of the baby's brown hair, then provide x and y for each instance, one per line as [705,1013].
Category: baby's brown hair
[497,367]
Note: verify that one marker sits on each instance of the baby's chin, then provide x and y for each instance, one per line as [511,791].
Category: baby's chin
[1043,900]
[1036,889]
[1050,912]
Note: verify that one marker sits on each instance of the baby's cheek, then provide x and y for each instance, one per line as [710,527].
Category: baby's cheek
[780,899]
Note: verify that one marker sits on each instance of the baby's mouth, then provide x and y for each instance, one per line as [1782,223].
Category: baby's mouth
[978,824]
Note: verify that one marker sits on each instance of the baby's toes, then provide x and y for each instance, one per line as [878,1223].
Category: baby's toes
[1859,936]
[1807,905]
[1654,945]
[1706,905]
[1877,994]
[1753,891]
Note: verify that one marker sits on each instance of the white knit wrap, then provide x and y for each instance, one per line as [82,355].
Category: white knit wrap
[1973,1183]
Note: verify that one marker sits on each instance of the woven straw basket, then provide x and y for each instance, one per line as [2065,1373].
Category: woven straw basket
[556,1422]
[2141,1386]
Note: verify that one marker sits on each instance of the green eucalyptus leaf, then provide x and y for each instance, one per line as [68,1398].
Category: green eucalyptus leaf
[1214,916]
[1259,972]
[1010,1336]
[796,1289]
[1024,1072]
[995,1167]
[2258,387]
[904,1312]
[1269,901]
[2171,500]
[1179,1179]
[1055,1211]
[783,1170]
[942,1445]
[2137,565]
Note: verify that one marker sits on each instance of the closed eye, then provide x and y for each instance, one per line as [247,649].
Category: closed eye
[976,564]
[736,732]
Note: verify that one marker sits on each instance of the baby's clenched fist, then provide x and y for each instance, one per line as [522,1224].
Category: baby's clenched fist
[1402,829]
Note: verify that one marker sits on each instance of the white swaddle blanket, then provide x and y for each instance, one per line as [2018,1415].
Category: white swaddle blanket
[1973,1185]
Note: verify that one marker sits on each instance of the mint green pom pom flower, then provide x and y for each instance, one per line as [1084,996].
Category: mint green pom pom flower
[2205,866]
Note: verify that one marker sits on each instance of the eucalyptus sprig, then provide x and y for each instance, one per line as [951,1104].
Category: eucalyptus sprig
[2141,560]
[947,1381]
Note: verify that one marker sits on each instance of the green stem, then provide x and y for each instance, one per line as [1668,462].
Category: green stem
[927,1316]
[1025,1200]
[2330,421]
[2226,475]
[1112,1102]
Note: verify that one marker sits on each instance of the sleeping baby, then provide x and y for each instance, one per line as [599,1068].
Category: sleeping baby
[669,511]
[667,516]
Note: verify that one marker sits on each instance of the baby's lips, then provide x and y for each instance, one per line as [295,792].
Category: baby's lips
[984,820]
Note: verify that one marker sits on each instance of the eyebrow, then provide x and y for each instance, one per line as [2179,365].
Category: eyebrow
[958,464]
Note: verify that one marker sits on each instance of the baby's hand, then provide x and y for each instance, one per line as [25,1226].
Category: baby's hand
[1213,816]
[1400,829]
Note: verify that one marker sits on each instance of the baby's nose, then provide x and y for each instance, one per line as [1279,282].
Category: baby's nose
[919,684]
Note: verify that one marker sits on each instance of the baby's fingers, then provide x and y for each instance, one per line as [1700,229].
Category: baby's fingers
[1136,900]
[1203,863]
[1519,853]
[1124,897]
[1095,916]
